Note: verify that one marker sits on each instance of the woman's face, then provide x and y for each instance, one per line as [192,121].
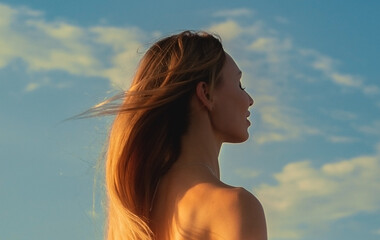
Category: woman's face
[230,105]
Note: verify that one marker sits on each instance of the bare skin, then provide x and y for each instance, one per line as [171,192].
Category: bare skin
[191,201]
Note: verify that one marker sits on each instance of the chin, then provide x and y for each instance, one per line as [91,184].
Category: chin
[246,136]
[239,139]
[245,139]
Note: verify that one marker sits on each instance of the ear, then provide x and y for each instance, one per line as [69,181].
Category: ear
[203,95]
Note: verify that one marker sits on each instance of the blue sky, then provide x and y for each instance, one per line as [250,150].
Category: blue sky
[313,158]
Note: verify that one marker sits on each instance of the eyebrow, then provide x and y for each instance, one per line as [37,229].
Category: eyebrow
[240,73]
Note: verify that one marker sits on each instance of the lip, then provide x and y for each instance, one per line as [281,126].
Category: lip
[248,114]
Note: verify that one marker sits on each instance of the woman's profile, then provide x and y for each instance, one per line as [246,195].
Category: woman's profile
[162,169]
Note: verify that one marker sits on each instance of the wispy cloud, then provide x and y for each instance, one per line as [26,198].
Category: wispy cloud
[270,44]
[239,12]
[342,115]
[45,82]
[281,20]
[341,139]
[44,46]
[112,53]
[98,51]
[278,121]
[376,232]
[247,173]
[276,64]
[327,66]
[229,30]
[371,128]
[306,197]
[125,44]
[31,87]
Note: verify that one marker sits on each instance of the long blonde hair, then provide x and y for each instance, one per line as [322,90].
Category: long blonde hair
[145,137]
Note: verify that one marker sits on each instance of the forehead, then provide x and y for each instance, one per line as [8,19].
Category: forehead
[230,67]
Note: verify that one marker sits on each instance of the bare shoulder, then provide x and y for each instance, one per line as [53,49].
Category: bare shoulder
[240,215]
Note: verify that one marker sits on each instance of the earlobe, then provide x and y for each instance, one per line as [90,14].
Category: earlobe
[203,95]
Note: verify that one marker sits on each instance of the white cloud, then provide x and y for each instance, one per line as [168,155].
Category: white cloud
[371,90]
[247,173]
[306,198]
[340,139]
[270,44]
[228,30]
[343,115]
[339,116]
[118,38]
[126,45]
[321,62]
[281,20]
[31,87]
[6,16]
[278,121]
[327,66]
[371,128]
[274,48]
[46,46]
[346,80]
[239,12]
[113,53]
[57,30]
[45,82]
[376,232]
[56,45]
[275,64]
[232,30]
[278,124]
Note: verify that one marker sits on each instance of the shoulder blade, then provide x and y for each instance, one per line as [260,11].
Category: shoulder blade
[241,216]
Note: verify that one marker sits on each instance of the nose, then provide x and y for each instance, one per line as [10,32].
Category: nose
[251,101]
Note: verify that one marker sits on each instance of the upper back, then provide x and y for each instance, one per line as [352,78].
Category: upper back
[206,210]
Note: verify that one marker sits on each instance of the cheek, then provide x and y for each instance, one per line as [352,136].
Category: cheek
[232,104]
[229,124]
[226,115]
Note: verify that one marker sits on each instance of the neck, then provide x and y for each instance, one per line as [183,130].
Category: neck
[200,145]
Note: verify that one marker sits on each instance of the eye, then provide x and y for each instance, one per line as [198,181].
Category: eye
[241,87]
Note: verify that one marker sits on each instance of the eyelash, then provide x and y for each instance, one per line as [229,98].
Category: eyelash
[241,87]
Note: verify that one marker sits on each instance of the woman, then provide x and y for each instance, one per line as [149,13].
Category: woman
[162,170]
